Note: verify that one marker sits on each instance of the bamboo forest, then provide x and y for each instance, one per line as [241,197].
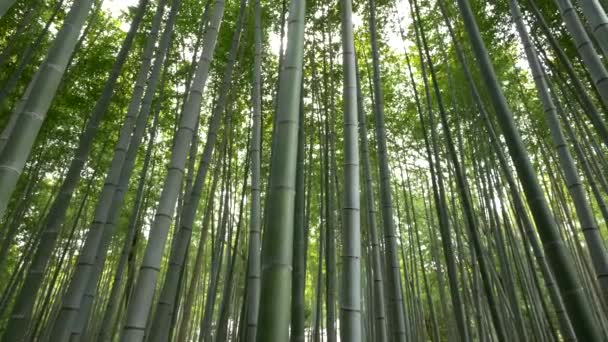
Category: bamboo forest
[303,170]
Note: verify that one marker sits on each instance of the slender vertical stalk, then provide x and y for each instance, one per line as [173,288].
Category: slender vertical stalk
[598,22]
[397,316]
[299,241]
[465,199]
[45,84]
[107,323]
[83,285]
[350,288]
[590,57]
[8,84]
[588,104]
[165,309]
[277,243]
[253,259]
[559,258]
[379,306]
[139,306]
[158,73]
[198,260]
[589,226]
[222,321]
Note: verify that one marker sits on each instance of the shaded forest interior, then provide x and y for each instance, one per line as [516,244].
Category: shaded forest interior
[271,171]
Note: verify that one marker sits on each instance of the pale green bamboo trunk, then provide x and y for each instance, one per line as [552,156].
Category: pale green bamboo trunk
[52,224]
[164,310]
[577,305]
[397,314]
[585,48]
[350,287]
[598,21]
[277,243]
[200,254]
[113,216]
[298,289]
[253,259]
[586,217]
[83,282]
[143,293]
[590,108]
[29,121]
[527,229]
[379,311]
[107,323]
